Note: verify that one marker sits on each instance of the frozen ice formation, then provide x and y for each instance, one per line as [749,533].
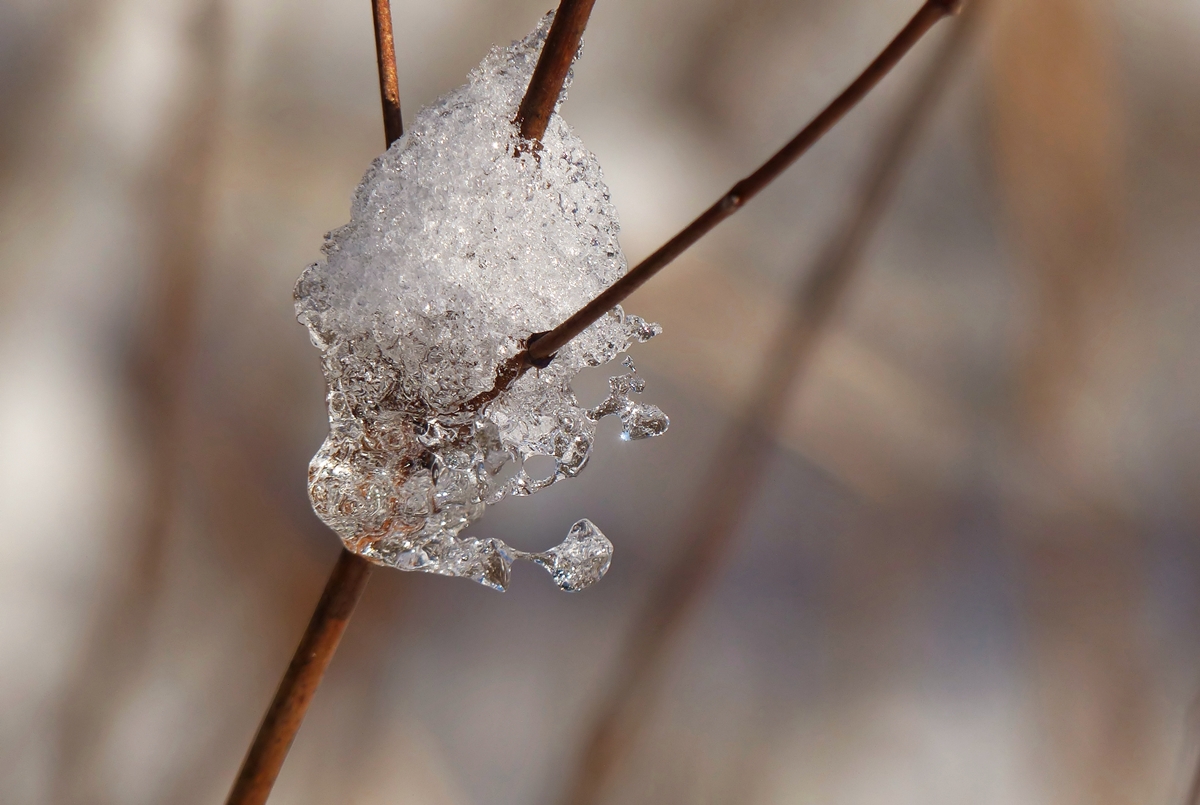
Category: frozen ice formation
[459,246]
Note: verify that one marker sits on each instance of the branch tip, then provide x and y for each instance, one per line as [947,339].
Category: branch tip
[558,52]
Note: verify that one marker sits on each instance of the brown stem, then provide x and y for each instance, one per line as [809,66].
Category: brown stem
[299,685]
[351,572]
[541,348]
[389,88]
[737,468]
[562,43]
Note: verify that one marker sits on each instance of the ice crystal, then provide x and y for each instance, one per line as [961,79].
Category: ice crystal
[460,245]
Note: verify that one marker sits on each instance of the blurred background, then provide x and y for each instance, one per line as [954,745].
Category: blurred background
[972,571]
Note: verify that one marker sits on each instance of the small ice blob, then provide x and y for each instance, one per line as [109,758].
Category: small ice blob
[578,561]
[460,245]
[641,420]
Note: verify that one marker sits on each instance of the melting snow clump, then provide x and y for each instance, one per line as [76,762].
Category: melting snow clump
[460,245]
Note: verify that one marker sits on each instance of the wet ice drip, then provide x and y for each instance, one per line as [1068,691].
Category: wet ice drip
[460,245]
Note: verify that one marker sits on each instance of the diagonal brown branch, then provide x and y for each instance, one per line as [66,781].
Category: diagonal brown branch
[562,43]
[542,346]
[350,575]
[736,470]
[282,721]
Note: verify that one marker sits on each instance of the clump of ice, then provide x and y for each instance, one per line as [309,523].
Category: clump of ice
[460,245]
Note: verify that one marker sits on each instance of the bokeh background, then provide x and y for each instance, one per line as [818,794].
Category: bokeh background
[972,572]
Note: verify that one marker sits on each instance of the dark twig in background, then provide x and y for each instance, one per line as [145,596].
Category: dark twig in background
[562,43]
[106,673]
[1193,792]
[740,460]
[542,346]
[1192,795]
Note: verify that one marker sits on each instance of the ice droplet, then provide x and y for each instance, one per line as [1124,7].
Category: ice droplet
[459,246]
[641,420]
[579,560]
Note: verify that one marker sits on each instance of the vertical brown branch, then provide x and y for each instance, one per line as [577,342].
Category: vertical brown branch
[350,574]
[736,470]
[389,86]
[562,43]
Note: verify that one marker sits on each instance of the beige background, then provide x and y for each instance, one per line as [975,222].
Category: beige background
[972,574]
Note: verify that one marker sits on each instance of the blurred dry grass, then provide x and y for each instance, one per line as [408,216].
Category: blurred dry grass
[972,572]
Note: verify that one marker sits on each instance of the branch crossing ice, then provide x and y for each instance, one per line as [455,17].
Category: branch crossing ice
[460,245]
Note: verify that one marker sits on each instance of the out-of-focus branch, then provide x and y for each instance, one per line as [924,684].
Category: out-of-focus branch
[736,470]
[541,347]
[562,43]
[350,574]
[178,200]
[1193,792]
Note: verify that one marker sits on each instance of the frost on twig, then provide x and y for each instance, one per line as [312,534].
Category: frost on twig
[460,245]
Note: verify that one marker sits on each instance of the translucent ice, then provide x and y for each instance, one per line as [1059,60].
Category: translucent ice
[580,559]
[460,245]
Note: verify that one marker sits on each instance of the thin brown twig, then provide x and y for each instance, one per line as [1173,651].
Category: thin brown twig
[562,43]
[541,347]
[346,583]
[736,470]
[385,57]
[299,685]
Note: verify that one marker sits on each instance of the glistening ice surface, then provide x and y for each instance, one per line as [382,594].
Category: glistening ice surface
[459,246]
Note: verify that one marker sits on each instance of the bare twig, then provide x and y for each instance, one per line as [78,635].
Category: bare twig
[385,57]
[541,347]
[737,468]
[562,43]
[299,685]
[351,572]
